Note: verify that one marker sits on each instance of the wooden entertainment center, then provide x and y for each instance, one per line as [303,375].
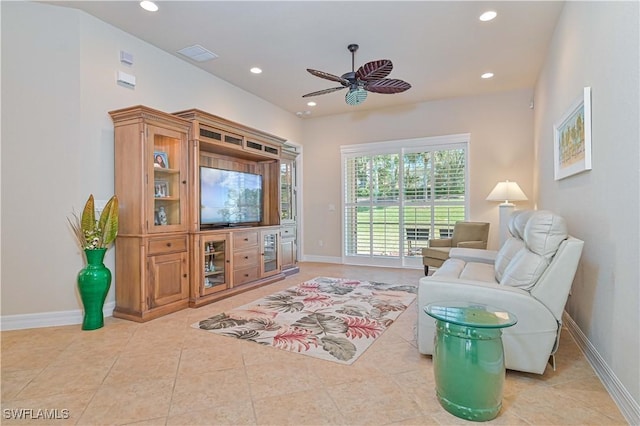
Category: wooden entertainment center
[166,260]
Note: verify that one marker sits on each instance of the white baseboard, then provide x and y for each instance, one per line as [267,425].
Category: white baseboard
[321,259]
[629,408]
[48,319]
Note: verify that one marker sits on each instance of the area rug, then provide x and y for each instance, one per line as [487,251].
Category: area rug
[335,319]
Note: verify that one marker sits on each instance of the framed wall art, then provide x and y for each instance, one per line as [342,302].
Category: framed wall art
[572,138]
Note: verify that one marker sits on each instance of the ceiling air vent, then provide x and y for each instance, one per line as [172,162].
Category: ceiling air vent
[197,53]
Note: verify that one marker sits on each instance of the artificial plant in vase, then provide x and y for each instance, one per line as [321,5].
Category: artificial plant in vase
[95,237]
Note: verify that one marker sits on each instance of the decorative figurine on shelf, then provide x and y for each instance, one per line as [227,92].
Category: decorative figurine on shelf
[162,216]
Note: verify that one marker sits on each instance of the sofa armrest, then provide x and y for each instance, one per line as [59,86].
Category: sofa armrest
[472,244]
[474,255]
[440,242]
[527,345]
[533,316]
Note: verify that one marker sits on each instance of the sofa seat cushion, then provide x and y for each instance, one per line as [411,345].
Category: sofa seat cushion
[478,272]
[452,268]
[472,271]
[441,253]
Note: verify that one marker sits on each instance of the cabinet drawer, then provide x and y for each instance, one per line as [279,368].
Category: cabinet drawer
[245,275]
[245,239]
[288,231]
[167,245]
[244,258]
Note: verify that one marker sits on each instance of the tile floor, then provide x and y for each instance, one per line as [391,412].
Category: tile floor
[166,373]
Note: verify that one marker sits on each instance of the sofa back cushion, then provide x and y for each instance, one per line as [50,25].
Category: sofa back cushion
[505,255]
[517,222]
[542,235]
[544,232]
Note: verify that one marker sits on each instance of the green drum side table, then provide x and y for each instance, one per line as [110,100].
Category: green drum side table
[468,358]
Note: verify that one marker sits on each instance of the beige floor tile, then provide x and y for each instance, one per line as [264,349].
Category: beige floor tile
[397,358]
[67,378]
[591,393]
[310,407]
[14,381]
[133,367]
[20,359]
[157,421]
[129,403]
[329,373]
[374,401]
[209,390]
[240,413]
[277,378]
[59,409]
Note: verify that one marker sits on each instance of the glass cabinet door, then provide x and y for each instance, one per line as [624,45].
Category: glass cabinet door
[215,265]
[167,180]
[270,246]
[287,190]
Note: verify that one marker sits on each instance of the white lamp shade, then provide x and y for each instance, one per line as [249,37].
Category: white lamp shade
[507,191]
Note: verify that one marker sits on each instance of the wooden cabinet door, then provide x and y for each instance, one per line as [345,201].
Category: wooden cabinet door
[168,278]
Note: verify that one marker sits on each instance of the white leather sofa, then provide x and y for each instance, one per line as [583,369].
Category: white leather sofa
[530,276]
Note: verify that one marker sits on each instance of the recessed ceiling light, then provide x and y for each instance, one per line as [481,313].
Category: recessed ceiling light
[149,5]
[311,103]
[488,15]
[255,70]
[487,75]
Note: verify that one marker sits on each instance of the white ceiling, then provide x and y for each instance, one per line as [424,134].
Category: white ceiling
[439,47]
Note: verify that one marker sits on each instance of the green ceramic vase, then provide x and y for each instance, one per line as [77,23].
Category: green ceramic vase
[94,281]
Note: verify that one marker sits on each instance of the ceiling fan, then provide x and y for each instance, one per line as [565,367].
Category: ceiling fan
[369,78]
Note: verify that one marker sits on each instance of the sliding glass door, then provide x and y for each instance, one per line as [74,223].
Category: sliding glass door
[395,200]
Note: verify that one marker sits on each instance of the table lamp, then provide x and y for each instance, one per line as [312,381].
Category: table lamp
[506,191]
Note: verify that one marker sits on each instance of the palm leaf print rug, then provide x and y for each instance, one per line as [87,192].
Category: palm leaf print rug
[335,319]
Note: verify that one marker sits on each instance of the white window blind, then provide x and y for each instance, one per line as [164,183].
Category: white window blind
[396,199]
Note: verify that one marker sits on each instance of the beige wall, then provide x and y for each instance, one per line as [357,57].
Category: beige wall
[501,147]
[58,84]
[596,44]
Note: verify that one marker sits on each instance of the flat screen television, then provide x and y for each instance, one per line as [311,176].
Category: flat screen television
[229,198]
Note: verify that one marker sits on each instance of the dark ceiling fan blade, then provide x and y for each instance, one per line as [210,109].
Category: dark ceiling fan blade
[387,85]
[328,76]
[375,70]
[323,92]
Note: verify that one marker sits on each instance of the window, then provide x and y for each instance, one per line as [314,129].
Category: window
[398,195]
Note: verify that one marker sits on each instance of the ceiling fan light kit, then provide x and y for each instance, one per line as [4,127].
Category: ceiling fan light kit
[356,96]
[371,77]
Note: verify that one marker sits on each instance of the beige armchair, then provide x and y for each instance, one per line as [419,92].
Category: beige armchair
[465,235]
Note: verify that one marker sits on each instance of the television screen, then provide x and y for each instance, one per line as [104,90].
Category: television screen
[228,197]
